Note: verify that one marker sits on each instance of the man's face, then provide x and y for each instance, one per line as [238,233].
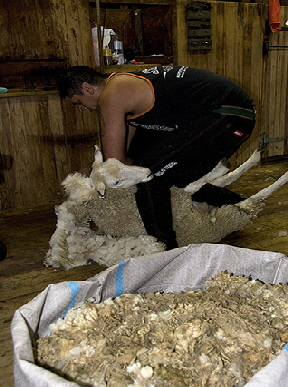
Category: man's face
[85,101]
[88,100]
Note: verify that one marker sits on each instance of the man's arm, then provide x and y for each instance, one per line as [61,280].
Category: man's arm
[123,96]
[113,133]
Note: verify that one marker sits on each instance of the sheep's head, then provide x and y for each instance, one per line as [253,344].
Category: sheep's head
[114,174]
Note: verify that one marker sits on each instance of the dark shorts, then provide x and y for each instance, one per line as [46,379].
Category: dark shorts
[185,155]
[180,157]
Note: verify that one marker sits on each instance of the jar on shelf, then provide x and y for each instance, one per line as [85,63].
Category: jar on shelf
[107,55]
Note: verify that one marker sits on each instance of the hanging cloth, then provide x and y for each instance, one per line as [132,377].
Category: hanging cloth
[274,15]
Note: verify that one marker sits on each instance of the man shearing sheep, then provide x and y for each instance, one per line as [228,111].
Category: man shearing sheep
[176,120]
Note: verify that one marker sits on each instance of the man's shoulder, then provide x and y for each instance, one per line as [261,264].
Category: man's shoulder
[126,92]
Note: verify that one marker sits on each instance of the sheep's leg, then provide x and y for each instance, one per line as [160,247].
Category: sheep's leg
[68,241]
[217,171]
[234,175]
[218,176]
[249,203]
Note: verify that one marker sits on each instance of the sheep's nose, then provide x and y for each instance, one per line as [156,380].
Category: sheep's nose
[149,177]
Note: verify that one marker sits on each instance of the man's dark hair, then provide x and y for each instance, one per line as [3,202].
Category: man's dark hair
[70,82]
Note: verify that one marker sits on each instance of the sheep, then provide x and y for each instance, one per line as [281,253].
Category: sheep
[114,174]
[121,232]
[74,243]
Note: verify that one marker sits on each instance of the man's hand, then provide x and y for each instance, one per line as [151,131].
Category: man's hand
[86,171]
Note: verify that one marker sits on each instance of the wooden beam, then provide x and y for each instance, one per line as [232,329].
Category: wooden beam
[100,41]
[135,2]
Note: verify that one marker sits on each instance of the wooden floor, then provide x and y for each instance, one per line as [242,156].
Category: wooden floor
[27,233]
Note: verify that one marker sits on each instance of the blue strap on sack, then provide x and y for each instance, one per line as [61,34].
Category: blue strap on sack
[119,279]
[74,288]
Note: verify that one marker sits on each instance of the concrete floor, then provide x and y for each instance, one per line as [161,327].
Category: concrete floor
[27,232]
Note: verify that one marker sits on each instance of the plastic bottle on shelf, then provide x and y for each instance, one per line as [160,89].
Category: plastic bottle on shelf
[108,36]
[118,55]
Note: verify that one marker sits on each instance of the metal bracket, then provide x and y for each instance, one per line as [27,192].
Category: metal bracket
[264,140]
[268,47]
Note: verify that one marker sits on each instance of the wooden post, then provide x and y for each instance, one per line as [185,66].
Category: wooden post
[99,33]
[139,30]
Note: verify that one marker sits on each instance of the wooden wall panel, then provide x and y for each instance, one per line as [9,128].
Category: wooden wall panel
[277,85]
[27,171]
[79,33]
[43,155]
[238,34]
[46,29]
[46,138]
[237,39]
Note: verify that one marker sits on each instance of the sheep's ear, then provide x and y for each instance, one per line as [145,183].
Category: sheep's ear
[98,155]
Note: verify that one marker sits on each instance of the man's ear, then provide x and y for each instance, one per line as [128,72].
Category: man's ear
[87,88]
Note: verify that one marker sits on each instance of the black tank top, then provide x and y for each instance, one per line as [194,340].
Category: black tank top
[183,93]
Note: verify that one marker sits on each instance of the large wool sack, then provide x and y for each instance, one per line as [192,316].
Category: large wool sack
[171,271]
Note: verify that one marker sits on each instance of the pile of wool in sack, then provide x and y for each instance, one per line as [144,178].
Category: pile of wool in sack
[219,336]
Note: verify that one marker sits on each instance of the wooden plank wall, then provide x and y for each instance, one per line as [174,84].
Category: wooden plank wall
[276,112]
[46,29]
[238,31]
[47,138]
[44,138]
[45,141]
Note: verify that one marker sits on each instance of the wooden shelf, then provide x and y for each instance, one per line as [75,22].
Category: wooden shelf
[126,68]
[30,76]
[138,3]
[23,92]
